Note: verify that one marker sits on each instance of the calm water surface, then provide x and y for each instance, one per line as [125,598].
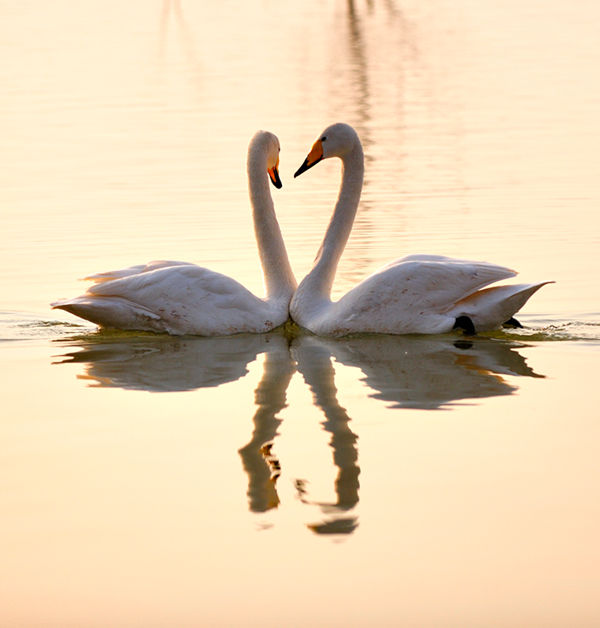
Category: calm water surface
[286,479]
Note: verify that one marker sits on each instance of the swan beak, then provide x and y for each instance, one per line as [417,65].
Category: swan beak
[314,157]
[274,176]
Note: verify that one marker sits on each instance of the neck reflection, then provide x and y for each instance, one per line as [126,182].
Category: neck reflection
[261,466]
[314,363]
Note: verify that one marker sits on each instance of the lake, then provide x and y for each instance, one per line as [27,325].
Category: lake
[285,479]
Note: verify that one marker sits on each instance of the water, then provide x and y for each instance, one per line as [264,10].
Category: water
[286,479]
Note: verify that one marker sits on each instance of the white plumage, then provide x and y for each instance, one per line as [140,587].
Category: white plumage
[182,298]
[425,294]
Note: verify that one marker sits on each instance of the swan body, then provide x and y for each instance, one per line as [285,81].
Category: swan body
[418,294]
[182,298]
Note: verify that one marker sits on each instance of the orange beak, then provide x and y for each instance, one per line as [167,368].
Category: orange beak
[274,175]
[314,157]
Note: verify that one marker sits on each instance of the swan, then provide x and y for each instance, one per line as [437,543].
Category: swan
[182,298]
[418,294]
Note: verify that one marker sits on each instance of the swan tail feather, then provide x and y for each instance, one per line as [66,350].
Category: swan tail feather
[113,312]
[490,308]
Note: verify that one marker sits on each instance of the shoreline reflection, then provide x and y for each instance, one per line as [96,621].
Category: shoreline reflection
[426,373]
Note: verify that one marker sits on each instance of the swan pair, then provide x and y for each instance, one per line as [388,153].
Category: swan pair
[424,294]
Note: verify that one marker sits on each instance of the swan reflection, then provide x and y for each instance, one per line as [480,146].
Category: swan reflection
[405,372]
[430,372]
[159,363]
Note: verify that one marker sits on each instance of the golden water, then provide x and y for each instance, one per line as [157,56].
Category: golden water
[437,481]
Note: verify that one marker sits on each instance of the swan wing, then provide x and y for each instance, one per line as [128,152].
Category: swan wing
[416,294]
[439,263]
[133,270]
[424,257]
[430,282]
[182,299]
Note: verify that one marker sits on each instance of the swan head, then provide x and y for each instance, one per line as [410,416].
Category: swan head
[266,145]
[336,140]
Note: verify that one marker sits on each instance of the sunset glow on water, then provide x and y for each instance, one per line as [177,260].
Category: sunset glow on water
[286,479]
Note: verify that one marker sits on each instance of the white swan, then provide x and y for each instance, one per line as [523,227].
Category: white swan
[182,298]
[424,294]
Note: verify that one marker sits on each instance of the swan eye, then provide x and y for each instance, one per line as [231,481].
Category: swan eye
[323,138]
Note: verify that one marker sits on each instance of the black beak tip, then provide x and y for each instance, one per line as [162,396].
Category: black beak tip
[275,180]
[303,168]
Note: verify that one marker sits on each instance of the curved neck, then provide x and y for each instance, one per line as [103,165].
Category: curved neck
[320,279]
[277,272]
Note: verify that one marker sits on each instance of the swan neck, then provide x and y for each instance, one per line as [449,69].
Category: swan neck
[320,279]
[277,272]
